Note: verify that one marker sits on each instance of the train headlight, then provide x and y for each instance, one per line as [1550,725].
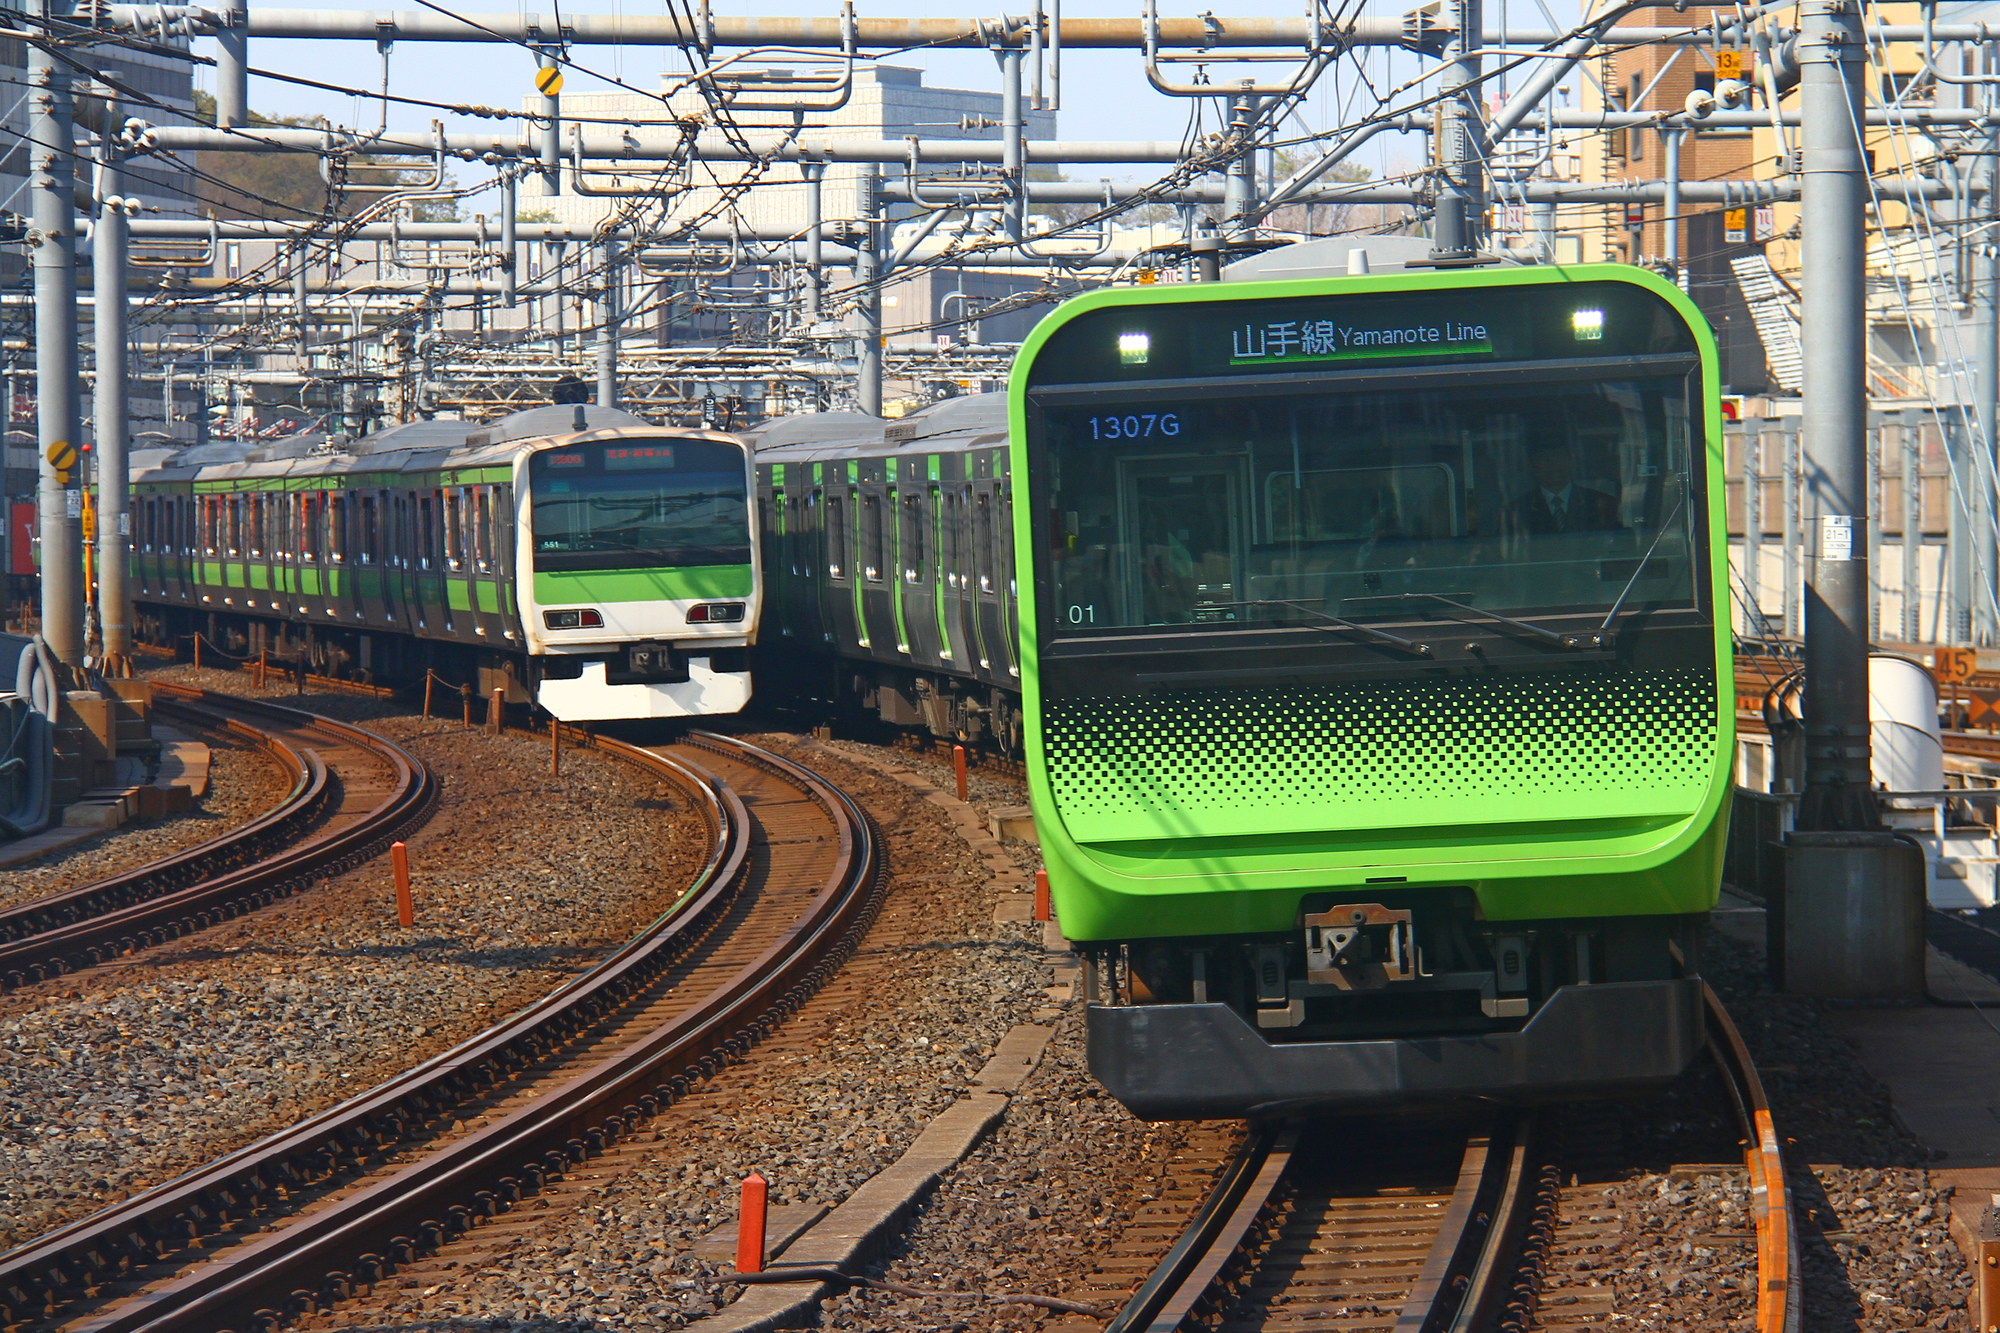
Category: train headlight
[714,613]
[1587,325]
[1134,348]
[583,618]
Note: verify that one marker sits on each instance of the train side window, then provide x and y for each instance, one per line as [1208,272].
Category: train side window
[210,520]
[872,553]
[1006,542]
[836,535]
[337,531]
[982,541]
[913,538]
[370,536]
[482,529]
[426,535]
[454,536]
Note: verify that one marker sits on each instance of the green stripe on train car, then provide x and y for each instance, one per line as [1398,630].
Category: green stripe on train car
[643,585]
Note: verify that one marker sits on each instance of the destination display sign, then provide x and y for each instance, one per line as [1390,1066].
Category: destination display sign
[1301,333]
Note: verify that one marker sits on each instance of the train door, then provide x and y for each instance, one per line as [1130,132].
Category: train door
[956,557]
[843,579]
[429,560]
[505,575]
[988,626]
[395,561]
[1010,620]
[876,566]
[818,538]
[1181,526]
[916,566]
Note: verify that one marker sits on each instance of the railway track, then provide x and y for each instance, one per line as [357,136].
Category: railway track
[352,794]
[317,1215]
[1402,1228]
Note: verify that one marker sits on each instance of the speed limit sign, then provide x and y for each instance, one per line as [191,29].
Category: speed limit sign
[1954,666]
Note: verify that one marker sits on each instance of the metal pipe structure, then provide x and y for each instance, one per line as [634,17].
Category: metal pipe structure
[52,190]
[1670,220]
[814,173]
[608,315]
[232,64]
[1834,420]
[868,305]
[659,143]
[1013,141]
[731,30]
[1985,358]
[551,146]
[110,335]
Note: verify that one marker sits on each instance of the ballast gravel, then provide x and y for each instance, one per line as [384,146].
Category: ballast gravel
[1672,1236]
[117,1078]
[242,784]
[833,1097]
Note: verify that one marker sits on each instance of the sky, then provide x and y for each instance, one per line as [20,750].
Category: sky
[1105,93]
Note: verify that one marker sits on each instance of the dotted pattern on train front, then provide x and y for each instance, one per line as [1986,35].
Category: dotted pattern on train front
[1221,763]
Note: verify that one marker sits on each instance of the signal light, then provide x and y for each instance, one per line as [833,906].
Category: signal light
[715,613]
[583,618]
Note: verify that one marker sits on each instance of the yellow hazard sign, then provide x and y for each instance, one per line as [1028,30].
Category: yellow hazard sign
[62,455]
[549,80]
[1728,64]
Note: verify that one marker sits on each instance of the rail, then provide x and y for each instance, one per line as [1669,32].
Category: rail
[329,1246]
[1465,1271]
[272,856]
[1780,1292]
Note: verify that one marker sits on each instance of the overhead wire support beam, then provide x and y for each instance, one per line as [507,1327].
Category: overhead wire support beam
[752,30]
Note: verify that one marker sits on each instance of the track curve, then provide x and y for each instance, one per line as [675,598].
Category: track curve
[352,793]
[317,1214]
[1320,1220]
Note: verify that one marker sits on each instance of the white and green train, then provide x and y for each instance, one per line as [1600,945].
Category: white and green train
[577,557]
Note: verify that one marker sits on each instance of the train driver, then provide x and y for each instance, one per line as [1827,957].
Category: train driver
[1559,502]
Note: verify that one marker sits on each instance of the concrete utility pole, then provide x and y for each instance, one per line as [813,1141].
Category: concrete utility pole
[108,322]
[1835,418]
[52,186]
[1852,916]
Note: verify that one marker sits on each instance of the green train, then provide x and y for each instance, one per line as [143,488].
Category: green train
[1375,676]
[575,557]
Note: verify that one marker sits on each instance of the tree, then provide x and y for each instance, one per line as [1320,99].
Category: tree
[288,186]
[1331,219]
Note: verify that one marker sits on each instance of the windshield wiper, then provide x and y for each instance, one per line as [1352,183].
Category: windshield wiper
[1626,591]
[1566,640]
[1381,635]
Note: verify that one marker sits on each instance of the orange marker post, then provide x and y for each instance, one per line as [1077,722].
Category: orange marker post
[958,763]
[465,697]
[497,712]
[750,1224]
[399,858]
[555,748]
[430,678]
[197,650]
[1041,895]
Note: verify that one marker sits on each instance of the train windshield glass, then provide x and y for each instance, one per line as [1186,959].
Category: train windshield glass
[639,504]
[1225,510]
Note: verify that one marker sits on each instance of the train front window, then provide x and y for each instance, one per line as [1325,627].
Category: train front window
[639,504]
[1228,511]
